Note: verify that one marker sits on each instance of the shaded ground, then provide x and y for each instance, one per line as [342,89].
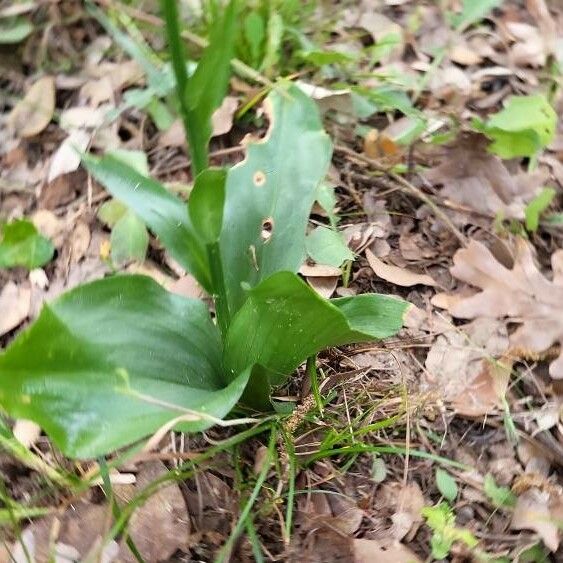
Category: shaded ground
[460,413]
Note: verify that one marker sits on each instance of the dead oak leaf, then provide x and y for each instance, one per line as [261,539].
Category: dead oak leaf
[462,364]
[478,180]
[522,294]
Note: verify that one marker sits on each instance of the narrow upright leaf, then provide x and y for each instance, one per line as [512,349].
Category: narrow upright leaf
[202,93]
[165,214]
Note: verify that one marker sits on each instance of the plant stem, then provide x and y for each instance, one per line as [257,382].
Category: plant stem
[27,458]
[313,376]
[219,288]
[226,549]
[199,154]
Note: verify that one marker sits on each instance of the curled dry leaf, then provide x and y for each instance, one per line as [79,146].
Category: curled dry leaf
[67,157]
[478,180]
[324,286]
[371,551]
[222,121]
[464,365]
[539,511]
[521,294]
[34,112]
[396,275]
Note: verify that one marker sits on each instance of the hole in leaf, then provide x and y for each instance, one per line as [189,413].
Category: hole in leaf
[259,178]
[267,229]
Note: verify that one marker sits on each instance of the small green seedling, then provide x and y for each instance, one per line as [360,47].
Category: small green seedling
[536,207]
[446,485]
[501,497]
[523,127]
[445,533]
[22,245]
[111,362]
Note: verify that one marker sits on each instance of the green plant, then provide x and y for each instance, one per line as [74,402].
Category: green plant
[522,128]
[445,533]
[22,245]
[111,362]
[129,239]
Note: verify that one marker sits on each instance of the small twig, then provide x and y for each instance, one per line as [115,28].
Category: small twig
[406,186]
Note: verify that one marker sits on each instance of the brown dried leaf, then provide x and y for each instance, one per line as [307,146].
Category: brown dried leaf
[522,294]
[479,180]
[34,112]
[533,511]
[15,303]
[222,121]
[161,526]
[79,242]
[462,365]
[398,276]
[372,551]
[323,285]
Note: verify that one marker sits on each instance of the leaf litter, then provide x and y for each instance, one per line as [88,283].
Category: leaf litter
[453,389]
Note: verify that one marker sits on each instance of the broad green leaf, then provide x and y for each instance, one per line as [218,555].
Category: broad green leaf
[160,114]
[207,87]
[473,11]
[523,127]
[14,30]
[206,203]
[446,485]
[536,207]
[327,246]
[111,212]
[129,239]
[499,496]
[22,245]
[165,214]
[284,321]
[274,187]
[326,198]
[112,361]
[135,159]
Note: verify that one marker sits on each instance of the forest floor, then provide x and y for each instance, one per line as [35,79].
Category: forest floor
[444,442]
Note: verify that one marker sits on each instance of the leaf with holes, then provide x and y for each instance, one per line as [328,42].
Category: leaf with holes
[274,187]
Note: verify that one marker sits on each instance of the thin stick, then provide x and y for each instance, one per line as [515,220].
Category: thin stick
[405,185]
